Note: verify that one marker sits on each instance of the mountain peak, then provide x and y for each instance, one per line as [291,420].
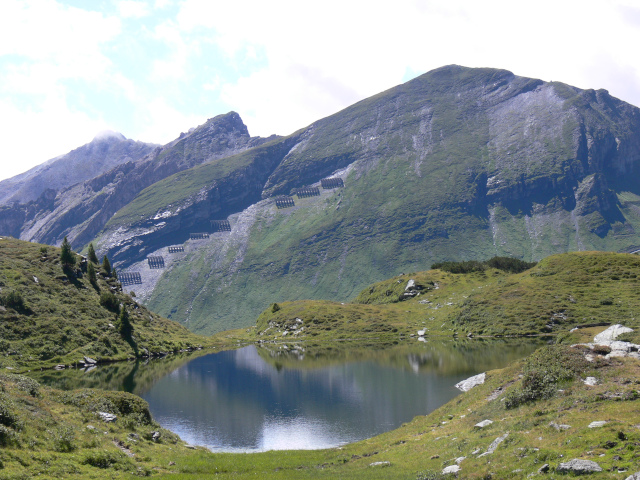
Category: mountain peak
[108,135]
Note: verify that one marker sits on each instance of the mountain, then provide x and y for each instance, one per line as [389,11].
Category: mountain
[106,151]
[80,211]
[458,163]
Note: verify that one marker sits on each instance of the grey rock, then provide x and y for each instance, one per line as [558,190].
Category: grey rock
[459,460]
[579,466]
[469,383]
[411,284]
[597,424]
[380,464]
[494,445]
[451,469]
[89,361]
[107,417]
[610,334]
[635,476]
[590,381]
[155,436]
[483,423]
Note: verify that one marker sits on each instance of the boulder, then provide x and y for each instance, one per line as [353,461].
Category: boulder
[89,361]
[590,381]
[451,469]
[107,417]
[579,466]
[610,334]
[483,423]
[494,445]
[635,476]
[597,424]
[380,464]
[469,383]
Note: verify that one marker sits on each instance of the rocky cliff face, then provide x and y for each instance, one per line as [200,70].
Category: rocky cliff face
[81,211]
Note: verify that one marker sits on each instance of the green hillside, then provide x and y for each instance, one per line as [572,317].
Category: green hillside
[559,293]
[50,316]
[456,164]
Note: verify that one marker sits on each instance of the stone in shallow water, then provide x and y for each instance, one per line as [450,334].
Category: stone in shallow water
[579,466]
[469,383]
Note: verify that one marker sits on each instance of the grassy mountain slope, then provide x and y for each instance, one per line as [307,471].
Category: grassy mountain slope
[559,293]
[49,317]
[458,163]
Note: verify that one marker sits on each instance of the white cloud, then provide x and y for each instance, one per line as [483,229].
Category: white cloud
[163,123]
[284,64]
[133,9]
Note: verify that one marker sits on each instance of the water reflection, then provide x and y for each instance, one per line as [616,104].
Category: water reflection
[294,397]
[256,399]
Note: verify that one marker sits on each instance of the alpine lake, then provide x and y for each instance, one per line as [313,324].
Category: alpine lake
[277,397]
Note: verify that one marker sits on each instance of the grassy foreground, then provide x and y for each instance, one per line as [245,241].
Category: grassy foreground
[540,407]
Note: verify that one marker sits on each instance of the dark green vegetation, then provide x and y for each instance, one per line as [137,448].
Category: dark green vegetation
[559,293]
[51,314]
[456,164]
[506,264]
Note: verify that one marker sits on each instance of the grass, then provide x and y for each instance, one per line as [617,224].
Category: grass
[62,317]
[53,433]
[559,293]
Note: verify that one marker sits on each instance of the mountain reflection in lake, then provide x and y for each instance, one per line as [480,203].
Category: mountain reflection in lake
[255,399]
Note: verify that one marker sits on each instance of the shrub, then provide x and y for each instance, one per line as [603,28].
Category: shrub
[13,300]
[506,264]
[543,371]
[109,301]
[101,459]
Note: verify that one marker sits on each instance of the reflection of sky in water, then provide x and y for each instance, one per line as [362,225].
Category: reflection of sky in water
[235,401]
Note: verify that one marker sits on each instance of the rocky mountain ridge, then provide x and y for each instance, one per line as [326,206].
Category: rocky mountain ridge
[106,151]
[81,210]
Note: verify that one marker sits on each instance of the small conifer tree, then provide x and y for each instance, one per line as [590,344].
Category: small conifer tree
[91,254]
[67,258]
[124,324]
[106,266]
[91,272]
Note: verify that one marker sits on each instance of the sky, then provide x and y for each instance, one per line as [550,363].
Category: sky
[151,69]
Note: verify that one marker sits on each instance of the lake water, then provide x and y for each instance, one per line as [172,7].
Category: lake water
[257,399]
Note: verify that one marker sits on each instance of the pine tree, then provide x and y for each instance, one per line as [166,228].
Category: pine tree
[106,266]
[124,324]
[91,255]
[91,272]
[67,258]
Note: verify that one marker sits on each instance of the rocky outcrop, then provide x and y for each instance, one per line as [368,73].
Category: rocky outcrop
[469,383]
[81,211]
